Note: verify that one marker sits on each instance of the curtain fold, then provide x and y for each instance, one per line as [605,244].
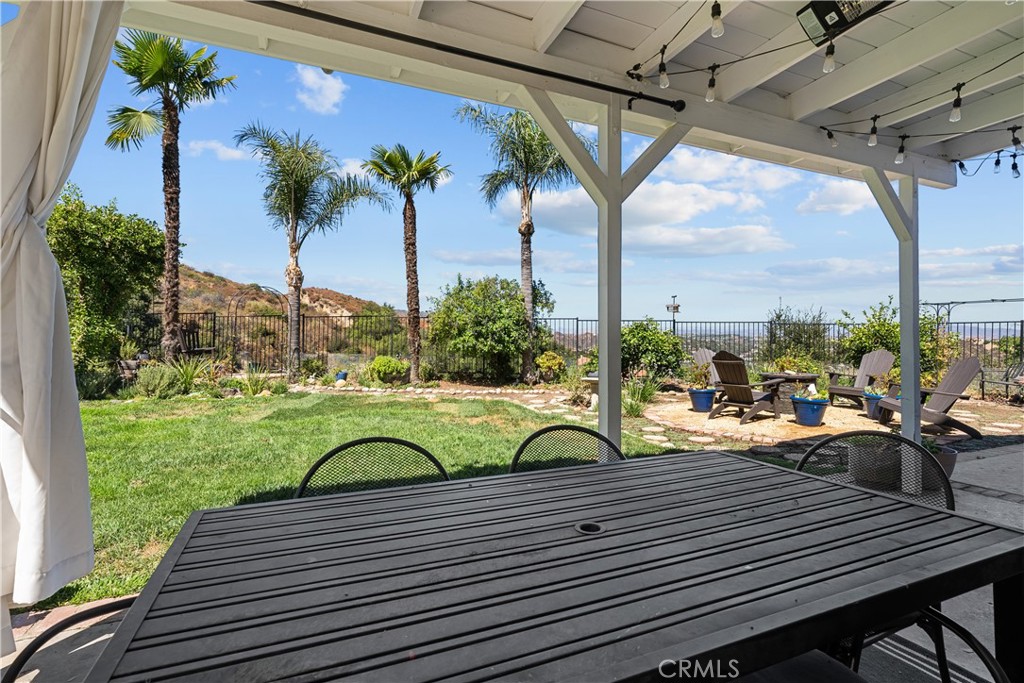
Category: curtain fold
[54,57]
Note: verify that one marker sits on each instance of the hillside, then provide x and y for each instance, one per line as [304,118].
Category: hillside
[205,291]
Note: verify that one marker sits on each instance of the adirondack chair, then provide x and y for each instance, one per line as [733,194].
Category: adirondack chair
[1010,379]
[702,356]
[941,398]
[872,366]
[188,339]
[739,390]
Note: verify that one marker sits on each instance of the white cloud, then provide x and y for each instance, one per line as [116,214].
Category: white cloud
[319,92]
[493,257]
[724,170]
[209,102]
[1004,249]
[674,241]
[837,196]
[352,167]
[222,151]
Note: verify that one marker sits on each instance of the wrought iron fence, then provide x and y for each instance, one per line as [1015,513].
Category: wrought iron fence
[262,339]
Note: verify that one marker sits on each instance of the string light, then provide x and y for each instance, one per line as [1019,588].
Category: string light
[998,164]
[873,138]
[902,151]
[954,115]
[710,96]
[663,70]
[717,27]
[830,58]
[831,138]
[963,167]
[1013,167]
[1014,140]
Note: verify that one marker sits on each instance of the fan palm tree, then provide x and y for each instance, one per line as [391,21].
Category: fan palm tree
[159,66]
[526,162]
[398,169]
[305,193]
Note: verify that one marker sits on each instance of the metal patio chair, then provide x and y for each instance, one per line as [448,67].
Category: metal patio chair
[563,446]
[376,462]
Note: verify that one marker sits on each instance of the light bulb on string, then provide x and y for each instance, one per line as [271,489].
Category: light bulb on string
[1014,140]
[710,95]
[717,27]
[663,81]
[830,58]
[831,138]
[902,151]
[962,166]
[997,166]
[1013,166]
[954,114]
[873,138]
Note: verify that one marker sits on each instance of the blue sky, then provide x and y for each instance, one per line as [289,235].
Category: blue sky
[729,236]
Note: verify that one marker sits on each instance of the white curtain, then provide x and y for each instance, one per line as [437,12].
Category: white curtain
[54,55]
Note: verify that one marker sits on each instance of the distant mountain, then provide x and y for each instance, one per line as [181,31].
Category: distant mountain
[203,291]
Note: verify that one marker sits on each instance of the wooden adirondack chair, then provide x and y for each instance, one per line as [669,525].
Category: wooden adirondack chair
[941,398]
[739,390]
[872,366]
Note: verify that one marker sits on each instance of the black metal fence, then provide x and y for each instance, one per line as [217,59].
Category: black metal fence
[262,339]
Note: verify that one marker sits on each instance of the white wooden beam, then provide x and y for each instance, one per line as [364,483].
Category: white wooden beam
[697,19]
[951,29]
[977,144]
[909,100]
[549,21]
[889,202]
[651,157]
[609,274]
[989,112]
[743,77]
[553,124]
[415,8]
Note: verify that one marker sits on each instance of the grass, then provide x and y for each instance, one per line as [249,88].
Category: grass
[153,462]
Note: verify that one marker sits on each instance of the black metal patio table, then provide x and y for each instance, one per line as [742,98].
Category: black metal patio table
[594,573]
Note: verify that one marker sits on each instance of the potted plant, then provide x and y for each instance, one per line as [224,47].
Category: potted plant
[946,455]
[875,392]
[128,361]
[809,405]
[702,394]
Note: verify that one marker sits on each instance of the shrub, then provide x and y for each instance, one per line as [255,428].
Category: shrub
[551,365]
[256,381]
[326,380]
[231,383]
[387,370]
[95,380]
[647,347]
[579,391]
[797,363]
[157,381]
[796,333]
[637,393]
[279,387]
[699,375]
[312,367]
[190,370]
[428,374]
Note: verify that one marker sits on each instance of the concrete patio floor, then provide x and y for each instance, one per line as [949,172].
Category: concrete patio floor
[988,484]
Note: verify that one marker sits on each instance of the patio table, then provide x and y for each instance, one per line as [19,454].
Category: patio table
[596,573]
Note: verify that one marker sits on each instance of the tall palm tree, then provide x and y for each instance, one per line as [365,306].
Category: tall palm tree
[398,169]
[526,162]
[305,193]
[159,66]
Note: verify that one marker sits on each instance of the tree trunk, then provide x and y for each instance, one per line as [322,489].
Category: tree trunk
[293,278]
[412,292]
[170,343]
[528,373]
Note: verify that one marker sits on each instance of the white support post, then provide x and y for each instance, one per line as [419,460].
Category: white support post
[609,278]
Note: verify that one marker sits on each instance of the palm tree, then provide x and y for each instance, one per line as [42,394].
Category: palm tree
[159,66]
[526,162]
[397,168]
[305,193]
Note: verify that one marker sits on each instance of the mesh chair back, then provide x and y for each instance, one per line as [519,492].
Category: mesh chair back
[563,446]
[955,381]
[376,462]
[733,373]
[875,460]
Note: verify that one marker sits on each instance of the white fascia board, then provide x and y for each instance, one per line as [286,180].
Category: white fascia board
[549,21]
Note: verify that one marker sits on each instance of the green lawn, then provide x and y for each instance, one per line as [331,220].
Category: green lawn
[152,463]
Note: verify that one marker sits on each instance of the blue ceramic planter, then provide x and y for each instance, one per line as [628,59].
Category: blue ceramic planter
[702,399]
[341,375]
[871,405]
[809,411]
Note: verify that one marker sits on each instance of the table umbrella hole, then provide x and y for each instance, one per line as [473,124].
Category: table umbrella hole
[589,528]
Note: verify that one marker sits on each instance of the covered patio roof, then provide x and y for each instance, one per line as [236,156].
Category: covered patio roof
[901,63]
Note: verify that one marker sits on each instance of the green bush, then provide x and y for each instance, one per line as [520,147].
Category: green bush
[796,333]
[95,380]
[551,365]
[312,367]
[428,374]
[231,383]
[647,347]
[190,370]
[157,381]
[279,387]
[579,391]
[256,381]
[387,370]
[797,363]
[637,393]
